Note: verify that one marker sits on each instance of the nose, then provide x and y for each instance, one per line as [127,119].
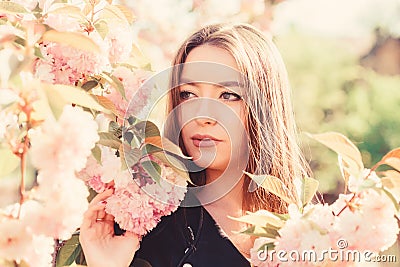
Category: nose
[203,110]
[202,121]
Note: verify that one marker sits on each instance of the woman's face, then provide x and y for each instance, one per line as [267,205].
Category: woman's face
[212,111]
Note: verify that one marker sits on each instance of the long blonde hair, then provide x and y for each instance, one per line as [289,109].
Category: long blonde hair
[271,127]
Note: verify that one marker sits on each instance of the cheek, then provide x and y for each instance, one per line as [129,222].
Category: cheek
[236,125]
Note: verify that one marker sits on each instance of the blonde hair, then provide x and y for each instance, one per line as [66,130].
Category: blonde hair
[273,147]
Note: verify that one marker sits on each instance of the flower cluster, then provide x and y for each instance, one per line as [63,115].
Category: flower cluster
[58,149]
[357,226]
[139,199]
[70,75]
[139,205]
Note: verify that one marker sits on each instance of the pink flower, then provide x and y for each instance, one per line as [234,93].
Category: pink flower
[15,239]
[120,41]
[63,22]
[28,4]
[140,204]
[40,252]
[18,242]
[135,100]
[98,175]
[372,216]
[364,180]
[64,145]
[67,65]
[300,236]
[65,196]
[97,184]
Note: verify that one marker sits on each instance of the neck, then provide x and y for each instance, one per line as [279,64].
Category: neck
[231,199]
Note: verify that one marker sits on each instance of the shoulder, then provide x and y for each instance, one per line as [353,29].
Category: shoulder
[166,244]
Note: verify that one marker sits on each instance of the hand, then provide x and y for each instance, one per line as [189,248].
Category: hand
[99,243]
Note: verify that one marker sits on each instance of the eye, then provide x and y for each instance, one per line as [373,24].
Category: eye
[230,96]
[184,95]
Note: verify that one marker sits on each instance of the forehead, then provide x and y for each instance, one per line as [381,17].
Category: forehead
[210,64]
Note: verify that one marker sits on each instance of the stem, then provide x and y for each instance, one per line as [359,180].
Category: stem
[57,247]
[23,162]
[354,195]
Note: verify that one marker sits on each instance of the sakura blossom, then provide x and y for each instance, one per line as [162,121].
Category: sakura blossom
[62,145]
[67,65]
[368,216]
[134,99]
[52,191]
[139,205]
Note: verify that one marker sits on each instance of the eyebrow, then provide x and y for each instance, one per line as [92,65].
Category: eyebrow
[224,83]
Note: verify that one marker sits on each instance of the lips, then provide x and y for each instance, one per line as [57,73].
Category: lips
[200,140]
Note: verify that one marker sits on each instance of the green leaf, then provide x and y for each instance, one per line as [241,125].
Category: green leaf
[153,169]
[106,103]
[351,156]
[273,185]
[262,220]
[109,139]
[67,9]
[148,128]
[9,162]
[96,152]
[127,13]
[60,95]
[138,59]
[113,12]
[129,156]
[165,144]
[174,163]
[72,39]
[128,137]
[102,28]
[132,120]
[267,247]
[259,231]
[38,52]
[392,159]
[391,181]
[114,82]
[89,85]
[12,8]
[69,252]
[308,189]
[149,149]
[392,198]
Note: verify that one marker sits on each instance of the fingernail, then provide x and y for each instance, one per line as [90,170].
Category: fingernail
[103,202]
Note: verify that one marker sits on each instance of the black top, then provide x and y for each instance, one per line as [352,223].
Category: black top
[188,236]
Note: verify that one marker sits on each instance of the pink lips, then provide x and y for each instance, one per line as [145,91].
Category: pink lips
[200,140]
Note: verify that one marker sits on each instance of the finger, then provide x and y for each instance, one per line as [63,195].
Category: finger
[101,214]
[90,216]
[108,217]
[101,196]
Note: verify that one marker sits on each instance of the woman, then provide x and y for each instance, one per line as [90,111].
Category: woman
[231,112]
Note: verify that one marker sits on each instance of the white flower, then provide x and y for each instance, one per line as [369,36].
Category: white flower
[64,144]
[59,202]
[370,224]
